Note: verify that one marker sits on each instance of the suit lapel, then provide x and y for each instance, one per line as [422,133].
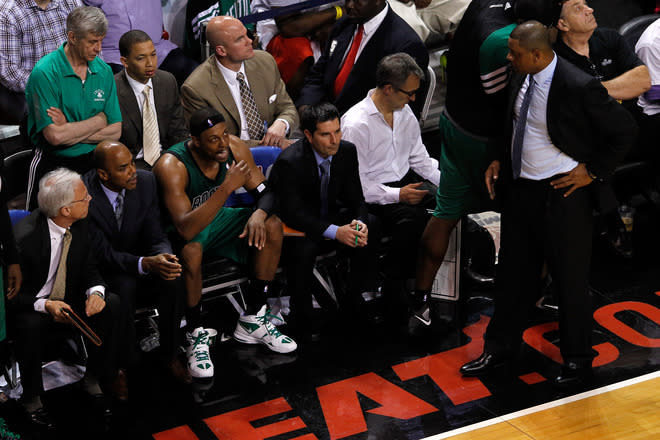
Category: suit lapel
[340,43]
[222,93]
[102,205]
[258,88]
[159,103]
[127,97]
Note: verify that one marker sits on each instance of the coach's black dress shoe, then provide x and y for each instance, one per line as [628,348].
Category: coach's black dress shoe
[572,375]
[484,364]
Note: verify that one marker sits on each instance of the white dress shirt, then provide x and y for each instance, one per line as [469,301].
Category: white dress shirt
[540,158]
[386,154]
[56,233]
[138,87]
[230,78]
[370,28]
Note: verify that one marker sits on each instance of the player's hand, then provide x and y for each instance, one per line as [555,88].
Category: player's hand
[411,195]
[575,179]
[14,280]
[255,229]
[491,176]
[238,175]
[164,265]
[55,309]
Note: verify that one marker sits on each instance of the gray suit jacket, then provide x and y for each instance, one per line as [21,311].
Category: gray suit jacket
[171,125]
[206,87]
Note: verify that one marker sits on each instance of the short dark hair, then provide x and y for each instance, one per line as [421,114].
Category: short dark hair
[395,69]
[532,35]
[130,38]
[317,113]
[204,118]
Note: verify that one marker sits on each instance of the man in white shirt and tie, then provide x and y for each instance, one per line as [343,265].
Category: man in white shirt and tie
[399,178]
[149,101]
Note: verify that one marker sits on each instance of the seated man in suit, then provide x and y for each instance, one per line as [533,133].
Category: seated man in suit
[345,72]
[135,256]
[196,177]
[568,135]
[399,178]
[243,85]
[148,97]
[59,275]
[318,186]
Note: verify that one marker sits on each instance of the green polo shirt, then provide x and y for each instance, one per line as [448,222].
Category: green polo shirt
[53,83]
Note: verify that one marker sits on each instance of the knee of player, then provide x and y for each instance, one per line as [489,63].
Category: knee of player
[274,228]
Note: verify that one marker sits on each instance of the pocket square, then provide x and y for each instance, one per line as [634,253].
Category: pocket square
[272,98]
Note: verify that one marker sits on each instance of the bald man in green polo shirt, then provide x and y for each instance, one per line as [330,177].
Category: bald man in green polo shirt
[72,100]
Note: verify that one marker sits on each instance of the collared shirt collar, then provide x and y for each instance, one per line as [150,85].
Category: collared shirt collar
[111,195]
[547,73]
[91,65]
[319,158]
[230,75]
[371,25]
[54,230]
[137,86]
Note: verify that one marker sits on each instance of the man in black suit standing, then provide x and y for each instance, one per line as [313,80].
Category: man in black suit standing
[134,252]
[346,70]
[149,101]
[318,185]
[59,275]
[568,136]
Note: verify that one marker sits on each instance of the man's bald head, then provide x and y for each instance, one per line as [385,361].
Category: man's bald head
[104,150]
[229,40]
[115,166]
[530,49]
[532,35]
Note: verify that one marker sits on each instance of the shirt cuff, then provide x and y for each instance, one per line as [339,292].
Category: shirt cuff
[285,123]
[140,269]
[100,289]
[40,305]
[331,232]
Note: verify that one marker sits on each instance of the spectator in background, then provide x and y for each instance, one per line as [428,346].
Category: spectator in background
[431,16]
[72,100]
[148,98]
[345,72]
[124,15]
[399,178]
[29,29]
[296,40]
[648,50]
[242,84]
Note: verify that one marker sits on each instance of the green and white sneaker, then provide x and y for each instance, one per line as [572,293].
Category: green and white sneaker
[257,329]
[197,351]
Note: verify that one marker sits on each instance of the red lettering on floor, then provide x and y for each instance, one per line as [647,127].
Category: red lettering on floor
[342,411]
[605,317]
[532,378]
[179,433]
[235,425]
[443,368]
[534,337]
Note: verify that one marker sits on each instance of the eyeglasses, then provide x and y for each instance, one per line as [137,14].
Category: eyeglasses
[409,93]
[87,198]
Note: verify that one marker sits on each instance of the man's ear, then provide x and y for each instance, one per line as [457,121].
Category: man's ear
[220,50]
[123,62]
[103,174]
[308,135]
[561,25]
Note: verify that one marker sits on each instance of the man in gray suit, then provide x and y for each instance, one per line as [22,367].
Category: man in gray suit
[242,84]
[149,101]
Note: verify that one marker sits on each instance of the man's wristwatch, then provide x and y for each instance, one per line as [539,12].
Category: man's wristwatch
[592,175]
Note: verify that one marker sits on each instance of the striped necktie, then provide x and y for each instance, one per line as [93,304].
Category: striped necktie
[150,134]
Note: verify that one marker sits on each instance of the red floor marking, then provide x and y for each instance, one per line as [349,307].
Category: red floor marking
[306,437]
[534,337]
[605,317]
[443,368]
[532,378]
[179,433]
[342,410]
[236,424]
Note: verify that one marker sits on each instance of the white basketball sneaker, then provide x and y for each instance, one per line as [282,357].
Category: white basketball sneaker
[197,351]
[257,329]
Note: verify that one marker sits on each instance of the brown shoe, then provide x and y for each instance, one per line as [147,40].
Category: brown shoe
[120,386]
[179,371]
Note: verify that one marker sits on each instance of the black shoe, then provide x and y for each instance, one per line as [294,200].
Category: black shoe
[572,375]
[484,364]
[41,418]
[621,243]
[101,406]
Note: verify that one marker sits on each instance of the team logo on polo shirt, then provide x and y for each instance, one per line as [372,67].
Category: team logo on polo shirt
[606,62]
[99,95]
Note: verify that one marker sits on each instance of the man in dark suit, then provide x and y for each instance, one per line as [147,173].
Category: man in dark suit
[346,70]
[569,135]
[60,275]
[318,185]
[142,82]
[134,253]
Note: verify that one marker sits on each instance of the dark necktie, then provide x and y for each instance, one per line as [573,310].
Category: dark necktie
[254,121]
[325,181]
[349,61]
[59,285]
[119,209]
[519,133]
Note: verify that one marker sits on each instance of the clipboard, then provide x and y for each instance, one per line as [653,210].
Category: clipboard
[82,326]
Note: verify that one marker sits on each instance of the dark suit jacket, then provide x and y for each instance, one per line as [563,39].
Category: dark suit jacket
[9,253]
[33,240]
[392,36]
[583,121]
[297,184]
[141,233]
[171,125]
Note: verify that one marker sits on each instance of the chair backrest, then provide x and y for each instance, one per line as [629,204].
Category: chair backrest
[264,158]
[16,215]
[633,29]
[15,172]
[431,81]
